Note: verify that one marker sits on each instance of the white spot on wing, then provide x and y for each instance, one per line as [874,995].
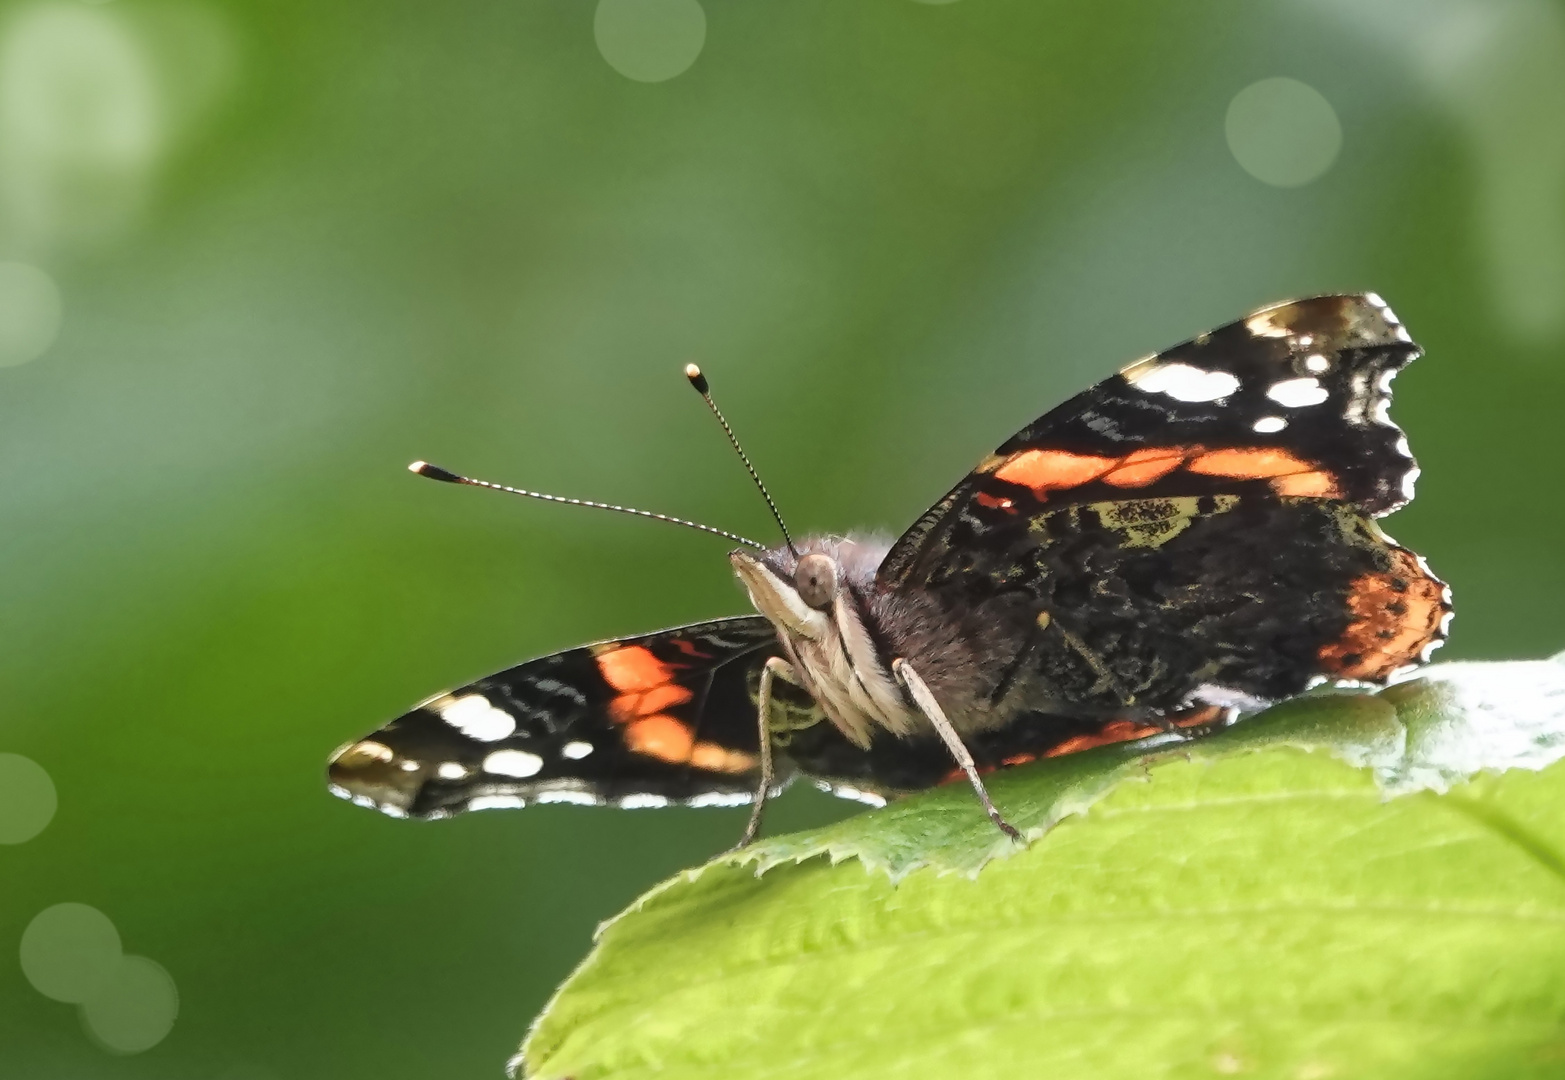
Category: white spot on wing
[1181,381]
[409,766]
[576,750]
[1262,326]
[1269,425]
[497,802]
[842,791]
[719,798]
[517,763]
[1408,481]
[451,770]
[643,802]
[1298,393]
[474,717]
[393,811]
[575,798]
[1317,363]
[339,791]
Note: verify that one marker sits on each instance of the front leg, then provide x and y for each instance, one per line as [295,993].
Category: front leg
[775,668]
[919,692]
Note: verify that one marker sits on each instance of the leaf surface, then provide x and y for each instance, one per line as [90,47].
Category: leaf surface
[1347,885]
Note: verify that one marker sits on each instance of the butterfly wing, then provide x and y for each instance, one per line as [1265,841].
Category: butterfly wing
[1293,399]
[1196,528]
[646,721]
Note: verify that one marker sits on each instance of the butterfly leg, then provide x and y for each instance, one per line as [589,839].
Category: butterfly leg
[775,668]
[920,693]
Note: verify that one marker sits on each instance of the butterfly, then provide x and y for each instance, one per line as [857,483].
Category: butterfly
[1188,540]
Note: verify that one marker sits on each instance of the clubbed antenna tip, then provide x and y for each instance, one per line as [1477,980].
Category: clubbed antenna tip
[434,472]
[698,381]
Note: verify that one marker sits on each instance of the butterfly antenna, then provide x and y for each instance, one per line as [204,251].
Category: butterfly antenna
[698,381]
[435,472]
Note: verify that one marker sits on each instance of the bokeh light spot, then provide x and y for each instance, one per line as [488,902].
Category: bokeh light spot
[134,1008]
[30,310]
[69,951]
[1283,132]
[82,125]
[27,798]
[650,40]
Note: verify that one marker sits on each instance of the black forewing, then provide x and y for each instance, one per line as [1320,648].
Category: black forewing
[1320,366]
[559,729]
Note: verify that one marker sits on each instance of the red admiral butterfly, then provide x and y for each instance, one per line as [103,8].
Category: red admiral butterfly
[1190,538]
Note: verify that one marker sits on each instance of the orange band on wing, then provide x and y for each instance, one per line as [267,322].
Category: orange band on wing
[628,707]
[1144,466]
[1115,731]
[1249,463]
[1055,470]
[1394,615]
[646,684]
[633,668]
[715,758]
[661,737]
[1318,485]
[1045,469]
[995,502]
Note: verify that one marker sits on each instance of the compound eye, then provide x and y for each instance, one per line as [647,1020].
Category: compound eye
[815,578]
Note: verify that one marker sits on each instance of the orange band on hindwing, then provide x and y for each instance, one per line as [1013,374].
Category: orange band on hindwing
[1394,615]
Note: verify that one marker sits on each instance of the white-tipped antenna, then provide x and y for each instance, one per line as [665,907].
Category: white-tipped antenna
[435,472]
[698,381]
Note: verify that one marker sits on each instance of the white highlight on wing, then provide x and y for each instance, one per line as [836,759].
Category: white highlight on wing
[474,717]
[497,802]
[1181,382]
[1298,393]
[576,750]
[451,770]
[643,802]
[1269,425]
[517,763]
[1317,363]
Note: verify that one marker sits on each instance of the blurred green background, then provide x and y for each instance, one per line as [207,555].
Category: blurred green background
[258,256]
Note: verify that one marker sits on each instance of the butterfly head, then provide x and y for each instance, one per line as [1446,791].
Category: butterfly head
[798,591]
[819,599]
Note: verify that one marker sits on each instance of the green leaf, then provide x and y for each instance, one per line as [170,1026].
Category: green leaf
[1343,886]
